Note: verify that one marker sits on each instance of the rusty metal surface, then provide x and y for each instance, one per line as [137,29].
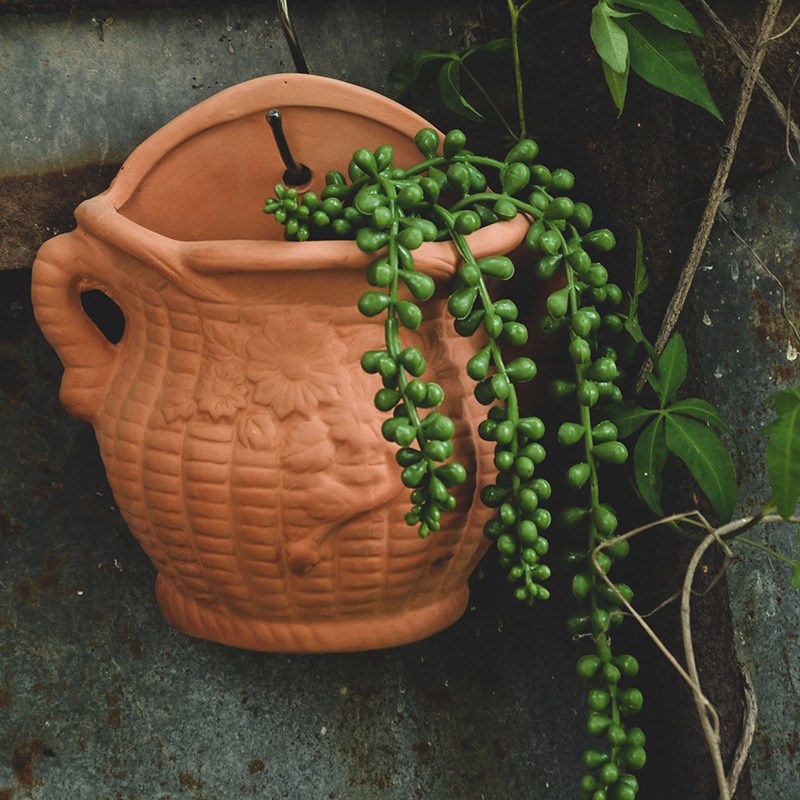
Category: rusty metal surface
[101,700]
[748,351]
[81,90]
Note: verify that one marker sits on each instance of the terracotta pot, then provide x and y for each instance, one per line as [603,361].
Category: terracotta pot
[233,418]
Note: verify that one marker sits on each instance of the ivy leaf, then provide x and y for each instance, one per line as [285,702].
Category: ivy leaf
[405,72]
[671,367]
[671,13]
[700,409]
[649,458]
[783,451]
[609,39]
[617,83]
[707,459]
[450,89]
[627,416]
[662,57]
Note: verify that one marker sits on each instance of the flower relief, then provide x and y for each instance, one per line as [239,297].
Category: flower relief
[294,364]
[221,389]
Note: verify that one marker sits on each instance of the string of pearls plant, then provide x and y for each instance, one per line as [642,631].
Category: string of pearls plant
[390,212]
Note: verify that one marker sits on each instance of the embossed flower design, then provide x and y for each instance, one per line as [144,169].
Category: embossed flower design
[222,390]
[293,364]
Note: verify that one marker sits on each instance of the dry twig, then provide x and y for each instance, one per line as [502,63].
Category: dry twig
[709,718]
[782,111]
[717,189]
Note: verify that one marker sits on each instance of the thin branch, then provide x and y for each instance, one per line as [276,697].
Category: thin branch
[789,119]
[709,719]
[748,732]
[488,98]
[787,30]
[769,93]
[716,193]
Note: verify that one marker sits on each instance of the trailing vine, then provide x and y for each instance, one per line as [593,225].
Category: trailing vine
[391,212]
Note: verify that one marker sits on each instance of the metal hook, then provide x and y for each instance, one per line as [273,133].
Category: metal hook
[296,174]
[291,37]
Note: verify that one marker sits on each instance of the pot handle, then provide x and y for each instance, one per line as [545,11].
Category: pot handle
[60,277]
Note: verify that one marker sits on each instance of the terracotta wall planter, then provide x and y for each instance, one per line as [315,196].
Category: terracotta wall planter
[234,421]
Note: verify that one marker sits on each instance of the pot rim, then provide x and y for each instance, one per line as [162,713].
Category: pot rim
[102,215]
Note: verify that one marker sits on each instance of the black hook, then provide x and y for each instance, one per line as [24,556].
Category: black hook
[291,37]
[296,174]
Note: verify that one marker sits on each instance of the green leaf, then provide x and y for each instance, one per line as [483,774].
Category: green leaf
[495,46]
[662,58]
[617,83]
[405,72]
[668,12]
[609,39]
[700,409]
[783,451]
[649,458]
[640,278]
[627,416]
[707,459]
[450,89]
[671,368]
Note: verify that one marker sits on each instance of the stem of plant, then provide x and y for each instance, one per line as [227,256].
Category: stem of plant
[514,13]
[488,98]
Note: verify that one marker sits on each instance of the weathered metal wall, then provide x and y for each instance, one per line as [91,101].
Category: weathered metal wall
[747,302]
[100,699]
[81,90]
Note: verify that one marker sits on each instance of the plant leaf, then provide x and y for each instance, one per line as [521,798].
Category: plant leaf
[707,459]
[405,72]
[450,89]
[671,13]
[609,39]
[649,458]
[617,83]
[640,278]
[783,451]
[627,416]
[700,409]
[662,57]
[671,368]
[494,46]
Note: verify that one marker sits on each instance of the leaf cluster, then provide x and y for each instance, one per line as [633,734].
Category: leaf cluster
[647,37]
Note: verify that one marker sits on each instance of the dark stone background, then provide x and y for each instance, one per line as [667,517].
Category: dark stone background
[100,699]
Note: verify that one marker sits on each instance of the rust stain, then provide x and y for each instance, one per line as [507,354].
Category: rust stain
[8,528]
[5,698]
[114,713]
[257,765]
[189,781]
[7,794]
[133,639]
[30,590]
[44,466]
[35,207]
[24,590]
[421,748]
[23,760]
[52,567]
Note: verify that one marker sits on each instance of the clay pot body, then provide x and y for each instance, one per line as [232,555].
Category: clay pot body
[234,421]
